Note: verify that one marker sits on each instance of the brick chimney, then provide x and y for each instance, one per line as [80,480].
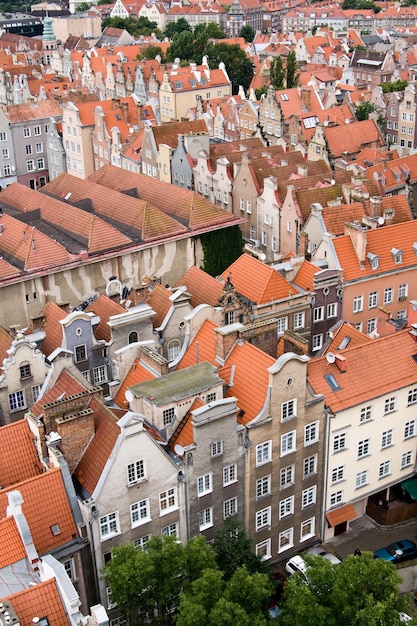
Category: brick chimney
[226,338]
[305,96]
[358,237]
[375,205]
[154,360]
[340,362]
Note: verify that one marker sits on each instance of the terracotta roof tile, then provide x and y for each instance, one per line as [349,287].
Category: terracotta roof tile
[256,281]
[203,288]
[104,307]
[64,386]
[168,133]
[206,350]
[346,336]
[53,329]
[184,434]
[7,270]
[11,546]
[33,111]
[48,489]
[158,300]
[16,442]
[137,374]
[40,600]
[305,276]
[5,344]
[352,137]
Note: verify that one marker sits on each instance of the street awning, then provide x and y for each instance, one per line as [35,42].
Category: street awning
[340,515]
[410,486]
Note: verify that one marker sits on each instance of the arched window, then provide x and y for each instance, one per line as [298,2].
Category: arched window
[133,337]
[173,350]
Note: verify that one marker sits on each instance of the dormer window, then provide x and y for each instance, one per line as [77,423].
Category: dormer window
[397,255]
[373,260]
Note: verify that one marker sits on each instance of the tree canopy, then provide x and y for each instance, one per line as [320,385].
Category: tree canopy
[238,66]
[360,591]
[174,28]
[363,110]
[136,28]
[396,85]
[360,4]
[292,74]
[247,33]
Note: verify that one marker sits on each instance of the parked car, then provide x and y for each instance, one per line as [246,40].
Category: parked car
[318,550]
[398,552]
[296,564]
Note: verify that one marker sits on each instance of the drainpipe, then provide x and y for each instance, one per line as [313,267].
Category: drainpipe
[328,415]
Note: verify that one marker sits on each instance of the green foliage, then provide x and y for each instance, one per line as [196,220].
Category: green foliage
[292,74]
[238,66]
[260,92]
[176,27]
[396,85]
[360,4]
[360,591]
[100,2]
[136,28]
[84,6]
[182,47]
[277,73]
[221,248]
[151,52]
[213,31]
[247,33]
[363,109]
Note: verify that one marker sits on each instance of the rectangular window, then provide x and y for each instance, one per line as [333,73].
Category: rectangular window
[363,448]
[168,415]
[263,518]
[371,325]
[141,542]
[3,136]
[140,512]
[229,507]
[282,325]
[263,453]
[264,238]
[332,309]
[336,498]
[38,148]
[25,371]
[287,476]
[286,540]
[263,487]
[242,204]
[229,317]
[248,206]
[168,500]
[390,404]
[216,448]
[307,529]
[311,433]
[412,396]
[288,443]
[286,507]
[69,567]
[100,374]
[373,300]
[288,410]
[135,472]
[387,438]
[318,314]
[7,170]
[338,474]
[388,295]
[36,392]
[361,479]
[407,459]
[308,496]
[30,165]
[36,131]
[5,153]
[26,132]
[357,304]
[384,469]
[80,353]
[171,530]
[310,466]
[17,400]
[205,518]
[317,342]
[211,397]
[298,321]
[366,414]
[403,291]
[263,549]
[41,164]
[410,429]
[109,525]
[339,442]
[205,484]
[229,475]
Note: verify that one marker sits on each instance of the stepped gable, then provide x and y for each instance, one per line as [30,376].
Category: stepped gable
[203,288]
[16,442]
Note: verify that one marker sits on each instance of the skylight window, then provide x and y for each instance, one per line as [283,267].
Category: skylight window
[284,97]
[332,382]
[344,343]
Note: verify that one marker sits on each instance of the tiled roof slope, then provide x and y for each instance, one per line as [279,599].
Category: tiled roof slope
[91,231]
[373,369]
[53,329]
[202,347]
[352,137]
[46,490]
[168,133]
[394,173]
[123,211]
[104,307]
[64,386]
[42,599]
[5,344]
[346,336]
[158,300]
[203,288]
[380,241]
[7,270]
[136,375]
[16,442]
[183,205]
[33,111]
[256,281]
[184,434]
[305,276]
[11,544]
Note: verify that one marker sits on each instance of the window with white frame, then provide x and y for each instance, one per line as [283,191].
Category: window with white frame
[141,542]
[371,325]
[204,484]
[229,474]
[229,507]
[216,448]
[80,353]
[229,317]
[264,238]
[263,549]
[29,149]
[339,442]
[407,459]
[168,500]
[373,300]
[308,496]
[412,396]
[26,132]
[307,529]
[171,530]
[17,400]
[36,392]
[366,413]
[286,540]
[274,244]
[410,429]
[361,479]
[205,518]
[30,165]
[317,341]
[298,321]
[364,448]
[390,404]
[311,433]
[242,204]
[332,309]
[288,410]
[336,498]
[263,453]
[263,487]
[248,206]
[388,295]
[263,518]
[286,507]
[173,349]
[211,397]
[384,469]
[338,474]
[318,314]
[387,438]
[109,525]
[110,603]
[287,476]
[36,131]
[357,304]
[135,472]
[403,291]
[100,374]
[25,371]
[288,442]
[69,567]
[140,512]
[282,325]
[310,465]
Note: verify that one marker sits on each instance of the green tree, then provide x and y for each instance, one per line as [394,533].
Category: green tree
[292,74]
[176,27]
[213,31]
[247,33]
[151,52]
[238,66]
[83,6]
[396,85]
[183,47]
[277,73]
[363,109]
[360,591]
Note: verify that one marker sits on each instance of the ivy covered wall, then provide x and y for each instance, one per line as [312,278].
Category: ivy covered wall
[220,249]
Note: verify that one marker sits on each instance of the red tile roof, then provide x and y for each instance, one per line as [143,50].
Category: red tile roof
[104,307]
[346,336]
[168,133]
[256,281]
[158,300]
[53,329]
[184,434]
[11,544]
[202,346]
[33,111]
[16,442]
[5,344]
[350,138]
[64,386]
[203,288]
[42,600]
[137,374]
[305,276]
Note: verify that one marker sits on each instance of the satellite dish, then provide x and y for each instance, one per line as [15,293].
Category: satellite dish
[129,395]
[131,130]
[178,449]
[381,221]
[330,357]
